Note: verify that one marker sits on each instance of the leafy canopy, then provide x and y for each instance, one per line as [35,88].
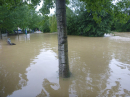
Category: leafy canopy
[109,7]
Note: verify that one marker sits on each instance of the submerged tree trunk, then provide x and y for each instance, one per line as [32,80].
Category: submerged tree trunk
[62,38]
[17,32]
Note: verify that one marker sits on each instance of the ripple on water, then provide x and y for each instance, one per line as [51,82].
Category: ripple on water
[119,78]
[119,38]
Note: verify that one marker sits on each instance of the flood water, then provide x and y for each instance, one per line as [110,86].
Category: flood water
[100,66]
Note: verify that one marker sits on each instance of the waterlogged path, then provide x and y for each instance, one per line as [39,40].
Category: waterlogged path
[100,66]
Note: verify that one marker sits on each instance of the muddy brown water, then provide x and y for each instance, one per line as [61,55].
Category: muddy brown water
[100,66]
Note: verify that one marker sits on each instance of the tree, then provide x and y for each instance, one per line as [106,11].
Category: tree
[53,23]
[6,19]
[81,22]
[21,16]
[123,27]
[62,38]
[107,5]
[45,24]
[34,19]
[13,15]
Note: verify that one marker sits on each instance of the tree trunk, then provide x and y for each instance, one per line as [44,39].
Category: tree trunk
[23,30]
[17,32]
[62,38]
[29,31]
[0,34]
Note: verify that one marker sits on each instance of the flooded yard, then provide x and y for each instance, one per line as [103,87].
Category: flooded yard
[100,66]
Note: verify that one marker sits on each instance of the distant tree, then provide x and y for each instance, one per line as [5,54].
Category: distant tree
[6,19]
[34,19]
[107,5]
[122,27]
[82,23]
[53,23]
[21,16]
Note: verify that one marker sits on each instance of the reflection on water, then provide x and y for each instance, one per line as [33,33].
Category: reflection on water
[118,82]
[100,66]
[37,72]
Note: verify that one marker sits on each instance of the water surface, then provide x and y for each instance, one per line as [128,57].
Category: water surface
[100,66]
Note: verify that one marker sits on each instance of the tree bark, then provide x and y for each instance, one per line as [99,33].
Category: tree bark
[17,32]
[62,38]
[0,34]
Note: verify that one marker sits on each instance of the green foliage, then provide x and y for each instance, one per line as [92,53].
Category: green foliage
[84,24]
[120,24]
[21,16]
[14,17]
[53,23]
[121,27]
[44,24]
[91,17]
[34,20]
[6,18]
[115,10]
[35,2]
[9,3]
[46,28]
[47,4]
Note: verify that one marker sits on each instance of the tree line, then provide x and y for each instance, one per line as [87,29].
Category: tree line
[23,15]
[92,22]
[79,21]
